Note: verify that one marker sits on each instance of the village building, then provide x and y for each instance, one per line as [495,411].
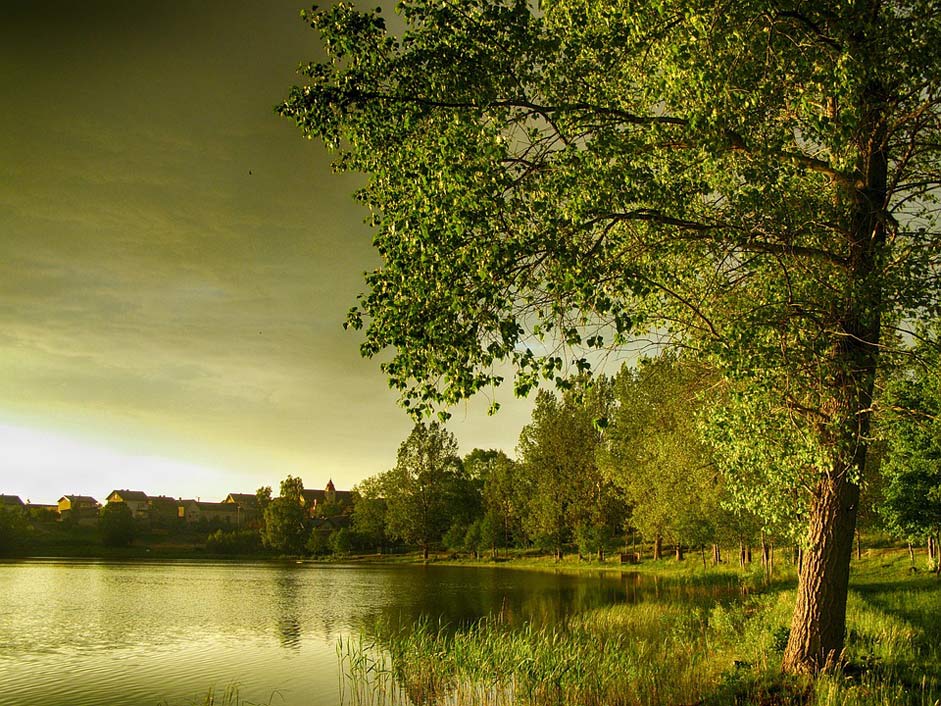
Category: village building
[82,509]
[164,511]
[135,500]
[11,502]
[329,500]
[193,511]
[247,503]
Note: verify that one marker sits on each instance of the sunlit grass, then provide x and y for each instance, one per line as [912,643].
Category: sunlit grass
[661,653]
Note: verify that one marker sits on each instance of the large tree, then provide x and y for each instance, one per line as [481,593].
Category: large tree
[558,468]
[751,179]
[424,492]
[654,451]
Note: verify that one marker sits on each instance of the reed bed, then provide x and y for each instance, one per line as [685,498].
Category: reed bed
[650,654]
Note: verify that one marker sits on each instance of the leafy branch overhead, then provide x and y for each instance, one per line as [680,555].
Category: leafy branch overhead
[601,169]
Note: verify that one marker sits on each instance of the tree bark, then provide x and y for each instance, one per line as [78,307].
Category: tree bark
[657,547]
[819,622]
[679,552]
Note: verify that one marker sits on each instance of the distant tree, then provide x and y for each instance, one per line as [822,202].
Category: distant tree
[369,511]
[502,498]
[558,450]
[116,525]
[419,490]
[13,530]
[286,519]
[341,541]
[911,503]
[656,455]
[318,542]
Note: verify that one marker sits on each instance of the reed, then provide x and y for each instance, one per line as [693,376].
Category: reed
[653,653]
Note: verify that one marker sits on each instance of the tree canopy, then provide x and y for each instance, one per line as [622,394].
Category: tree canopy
[754,181]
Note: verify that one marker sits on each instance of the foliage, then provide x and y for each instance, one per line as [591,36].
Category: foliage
[911,505]
[369,511]
[286,519]
[13,530]
[424,492]
[234,542]
[558,466]
[341,541]
[654,452]
[117,525]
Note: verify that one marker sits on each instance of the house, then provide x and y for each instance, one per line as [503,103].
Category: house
[82,509]
[11,502]
[330,500]
[164,511]
[193,511]
[135,500]
[247,503]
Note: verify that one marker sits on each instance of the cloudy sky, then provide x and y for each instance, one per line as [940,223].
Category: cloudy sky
[176,262]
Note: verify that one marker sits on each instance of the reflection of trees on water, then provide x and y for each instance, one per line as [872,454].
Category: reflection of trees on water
[287,589]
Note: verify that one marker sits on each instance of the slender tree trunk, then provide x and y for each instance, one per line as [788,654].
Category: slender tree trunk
[911,554]
[937,564]
[859,544]
[424,552]
[600,554]
[748,553]
[716,555]
[679,552]
[702,549]
[771,560]
[741,554]
[657,547]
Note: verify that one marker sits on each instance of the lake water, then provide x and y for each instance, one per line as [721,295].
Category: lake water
[94,633]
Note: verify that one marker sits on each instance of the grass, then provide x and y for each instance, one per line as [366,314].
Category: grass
[227,697]
[664,652]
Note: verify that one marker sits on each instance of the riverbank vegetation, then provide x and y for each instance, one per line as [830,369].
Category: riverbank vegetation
[665,652]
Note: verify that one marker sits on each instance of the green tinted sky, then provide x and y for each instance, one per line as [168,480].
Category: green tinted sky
[176,262]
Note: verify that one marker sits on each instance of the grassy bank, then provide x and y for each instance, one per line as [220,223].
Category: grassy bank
[666,653]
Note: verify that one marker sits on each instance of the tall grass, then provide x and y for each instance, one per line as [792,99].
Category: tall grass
[653,654]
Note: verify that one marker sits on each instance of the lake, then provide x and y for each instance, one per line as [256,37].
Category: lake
[98,633]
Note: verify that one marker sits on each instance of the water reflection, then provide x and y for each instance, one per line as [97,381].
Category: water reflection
[288,620]
[175,629]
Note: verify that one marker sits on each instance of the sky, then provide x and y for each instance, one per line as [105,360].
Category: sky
[176,262]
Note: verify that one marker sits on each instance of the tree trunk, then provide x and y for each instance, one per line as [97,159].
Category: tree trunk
[741,554]
[558,554]
[771,560]
[716,555]
[657,547]
[679,552]
[748,553]
[859,544]
[911,554]
[424,552]
[819,622]
[600,554]
[702,549]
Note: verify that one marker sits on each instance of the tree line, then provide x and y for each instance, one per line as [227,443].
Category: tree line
[644,456]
